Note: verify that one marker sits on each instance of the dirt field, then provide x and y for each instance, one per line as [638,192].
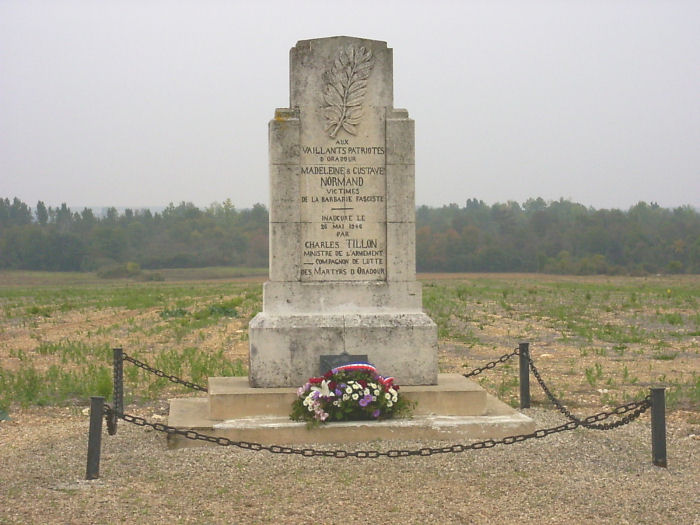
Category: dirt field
[598,342]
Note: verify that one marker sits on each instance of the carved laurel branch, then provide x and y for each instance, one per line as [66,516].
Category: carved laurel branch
[346,85]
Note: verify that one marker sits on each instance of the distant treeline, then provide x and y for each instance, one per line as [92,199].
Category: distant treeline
[557,237]
[537,236]
[181,236]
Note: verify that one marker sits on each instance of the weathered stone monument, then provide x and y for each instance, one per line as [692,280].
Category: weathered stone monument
[342,223]
[342,280]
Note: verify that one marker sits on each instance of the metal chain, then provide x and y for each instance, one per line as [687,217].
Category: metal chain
[310,452]
[160,373]
[633,411]
[637,408]
[362,454]
[492,364]
[110,418]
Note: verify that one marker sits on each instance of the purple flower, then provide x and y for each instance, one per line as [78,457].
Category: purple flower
[365,401]
[338,392]
[376,413]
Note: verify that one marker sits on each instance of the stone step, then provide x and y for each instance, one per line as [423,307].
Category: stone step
[454,409]
[233,398]
[499,421]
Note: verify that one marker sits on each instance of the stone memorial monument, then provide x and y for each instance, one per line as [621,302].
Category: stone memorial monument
[342,224]
[342,268]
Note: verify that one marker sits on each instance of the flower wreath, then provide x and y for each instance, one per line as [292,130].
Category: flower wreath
[350,392]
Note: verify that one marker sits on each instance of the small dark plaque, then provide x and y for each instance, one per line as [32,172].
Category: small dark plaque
[329,362]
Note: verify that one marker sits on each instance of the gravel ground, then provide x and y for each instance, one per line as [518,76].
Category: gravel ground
[579,476]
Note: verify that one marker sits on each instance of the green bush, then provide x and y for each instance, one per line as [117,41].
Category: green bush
[119,271]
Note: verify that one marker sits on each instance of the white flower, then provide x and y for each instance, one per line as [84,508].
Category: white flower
[387,396]
[392,391]
[372,385]
[376,392]
[394,398]
[366,391]
[389,403]
[348,390]
[357,386]
[355,397]
[346,397]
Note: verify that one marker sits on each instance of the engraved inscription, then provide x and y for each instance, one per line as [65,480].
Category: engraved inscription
[346,85]
[343,210]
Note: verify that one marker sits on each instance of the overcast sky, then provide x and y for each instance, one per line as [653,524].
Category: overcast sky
[140,103]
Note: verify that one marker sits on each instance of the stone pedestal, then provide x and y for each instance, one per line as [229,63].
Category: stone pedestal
[342,223]
[286,349]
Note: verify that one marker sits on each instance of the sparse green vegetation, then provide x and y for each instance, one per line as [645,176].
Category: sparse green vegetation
[62,351]
[595,340]
[606,334]
[594,374]
[56,385]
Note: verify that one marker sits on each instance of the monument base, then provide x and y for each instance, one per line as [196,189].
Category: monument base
[454,409]
[285,350]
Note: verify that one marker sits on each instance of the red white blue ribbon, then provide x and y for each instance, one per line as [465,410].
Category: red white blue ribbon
[365,367]
[387,382]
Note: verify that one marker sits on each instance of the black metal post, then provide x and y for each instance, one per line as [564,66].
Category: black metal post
[118,387]
[97,404]
[658,426]
[524,374]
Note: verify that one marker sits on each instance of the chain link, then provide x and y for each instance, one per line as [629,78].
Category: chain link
[637,408]
[362,454]
[492,364]
[160,373]
[368,454]
[633,411]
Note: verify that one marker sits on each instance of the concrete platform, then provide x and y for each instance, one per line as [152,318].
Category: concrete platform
[233,398]
[454,409]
